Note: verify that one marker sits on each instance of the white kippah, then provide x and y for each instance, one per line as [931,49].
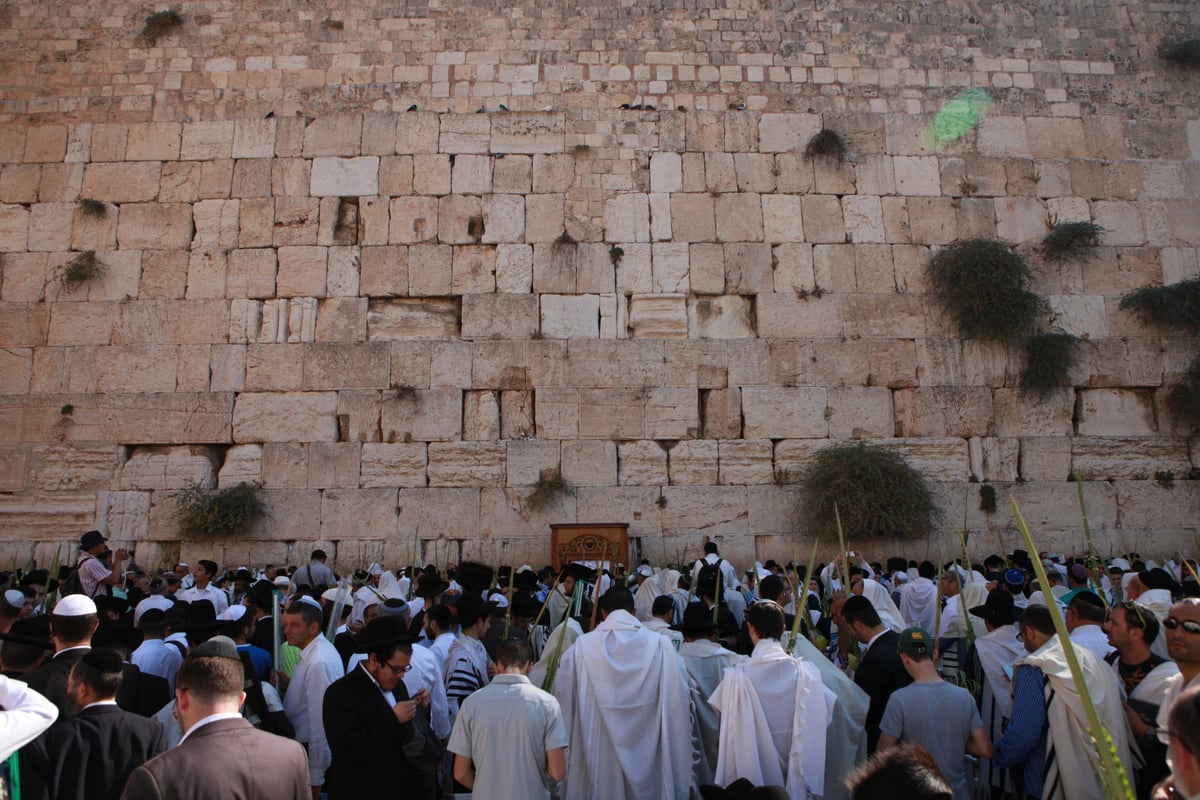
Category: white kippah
[283,581]
[232,614]
[500,600]
[330,595]
[75,605]
[15,598]
[306,599]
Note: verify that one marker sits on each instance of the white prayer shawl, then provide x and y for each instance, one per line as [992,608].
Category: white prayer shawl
[624,697]
[664,629]
[918,600]
[846,739]
[643,601]
[706,663]
[882,601]
[1153,687]
[365,596]
[389,586]
[775,712]
[1070,755]
[995,651]
[953,624]
[572,629]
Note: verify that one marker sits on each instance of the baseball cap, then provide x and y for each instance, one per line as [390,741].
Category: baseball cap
[915,641]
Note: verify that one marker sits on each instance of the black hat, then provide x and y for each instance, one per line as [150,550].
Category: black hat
[524,606]
[243,574]
[502,575]
[91,539]
[474,577]
[201,616]
[525,581]
[385,631]
[1159,578]
[579,572]
[118,605]
[999,608]
[33,632]
[260,593]
[697,621]
[472,608]
[430,584]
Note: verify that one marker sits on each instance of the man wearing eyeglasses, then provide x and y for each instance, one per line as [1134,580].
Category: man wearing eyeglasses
[1182,629]
[367,715]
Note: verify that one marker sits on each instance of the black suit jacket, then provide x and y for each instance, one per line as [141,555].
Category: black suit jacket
[140,697]
[90,756]
[880,673]
[264,634]
[365,739]
[228,759]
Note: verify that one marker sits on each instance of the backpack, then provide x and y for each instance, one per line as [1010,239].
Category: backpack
[710,575]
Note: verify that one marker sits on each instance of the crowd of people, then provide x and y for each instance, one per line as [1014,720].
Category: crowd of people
[862,680]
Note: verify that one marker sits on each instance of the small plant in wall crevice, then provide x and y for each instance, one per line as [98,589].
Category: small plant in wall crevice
[1049,358]
[550,485]
[160,24]
[1071,241]
[983,284]
[218,512]
[826,143]
[1185,52]
[79,270]
[92,209]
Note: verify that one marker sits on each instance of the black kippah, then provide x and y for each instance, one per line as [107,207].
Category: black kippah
[102,659]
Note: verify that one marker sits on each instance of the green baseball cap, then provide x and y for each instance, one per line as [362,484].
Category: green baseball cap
[915,641]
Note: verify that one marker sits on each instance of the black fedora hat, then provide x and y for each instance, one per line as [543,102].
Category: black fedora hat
[201,616]
[697,621]
[386,631]
[474,577]
[999,608]
[430,584]
[579,572]
[33,632]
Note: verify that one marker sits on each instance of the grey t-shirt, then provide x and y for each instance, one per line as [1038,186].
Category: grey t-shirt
[940,717]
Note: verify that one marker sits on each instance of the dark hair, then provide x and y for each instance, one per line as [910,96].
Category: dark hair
[210,567]
[514,654]
[662,604]
[927,570]
[385,652]
[766,617]
[74,630]
[710,547]
[308,611]
[897,564]
[859,609]
[1038,618]
[1142,618]
[19,657]
[318,554]
[617,599]
[155,627]
[211,678]
[770,587]
[1183,720]
[907,771]
[96,671]
[1088,606]
[441,615]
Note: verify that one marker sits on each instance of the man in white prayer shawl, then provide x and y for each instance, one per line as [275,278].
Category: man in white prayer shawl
[995,653]
[919,596]
[775,714]
[706,662]
[624,696]
[647,590]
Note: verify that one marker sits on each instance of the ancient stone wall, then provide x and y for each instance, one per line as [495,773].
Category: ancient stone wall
[323,271]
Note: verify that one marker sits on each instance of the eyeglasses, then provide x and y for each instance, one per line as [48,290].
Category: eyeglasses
[1189,625]
[397,670]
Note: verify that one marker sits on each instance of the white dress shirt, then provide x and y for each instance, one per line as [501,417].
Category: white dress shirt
[219,599]
[319,665]
[158,658]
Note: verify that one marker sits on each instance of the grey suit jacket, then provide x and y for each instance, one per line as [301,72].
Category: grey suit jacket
[228,759]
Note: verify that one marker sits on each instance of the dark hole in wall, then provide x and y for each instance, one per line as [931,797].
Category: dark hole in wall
[345,229]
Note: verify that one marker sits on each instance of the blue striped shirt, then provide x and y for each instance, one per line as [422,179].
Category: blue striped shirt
[1024,739]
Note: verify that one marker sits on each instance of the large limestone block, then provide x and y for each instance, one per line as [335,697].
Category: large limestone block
[243,464]
[616,414]
[16,370]
[274,367]
[748,268]
[666,172]
[1116,412]
[286,417]
[358,416]
[1083,316]
[383,271]
[481,416]
[512,525]
[670,269]
[205,141]
[465,133]
[641,463]
[884,315]
[1003,137]
[302,271]
[861,412]
[516,415]
[461,464]
[413,219]
[471,174]
[1020,219]
[917,175]
[693,217]
[960,362]
[1020,414]
[333,135]
[149,418]
[417,132]
[1061,137]
[340,365]
[135,368]
[570,316]
[528,132]
[405,319]
[44,517]
[297,220]
[739,217]
[153,141]
[627,218]
[724,317]
[786,316]
[606,363]
[784,412]
[358,514]
[134,182]
[334,465]
[863,218]
[995,459]
[938,459]
[1128,458]
[63,467]
[254,138]
[672,413]
[14,468]
[124,516]
[528,460]
[473,270]
[693,462]
[714,510]
[1153,507]
[459,219]
[503,218]
[782,218]
[659,316]
[962,411]
[345,177]
[285,465]
[782,133]
[499,316]
[1044,506]
[422,415]
[822,216]
[745,462]
[557,413]
[155,226]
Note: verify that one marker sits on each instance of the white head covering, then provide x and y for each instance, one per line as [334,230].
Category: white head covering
[75,605]
[389,585]
[882,601]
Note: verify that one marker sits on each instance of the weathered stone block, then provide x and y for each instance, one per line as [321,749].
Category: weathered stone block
[155,226]
[339,365]
[616,414]
[739,217]
[1019,414]
[570,316]
[672,413]
[1115,412]
[459,219]
[745,462]
[861,412]
[589,463]
[782,218]
[1128,458]
[465,133]
[725,317]
[204,141]
[412,319]
[346,177]
[290,416]
[627,218]
[516,415]
[301,272]
[413,219]
[692,218]
[123,182]
[784,412]
[822,215]
[658,316]
[472,464]
[641,463]
[944,411]
[422,415]
[243,464]
[473,270]
[481,416]
[471,175]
